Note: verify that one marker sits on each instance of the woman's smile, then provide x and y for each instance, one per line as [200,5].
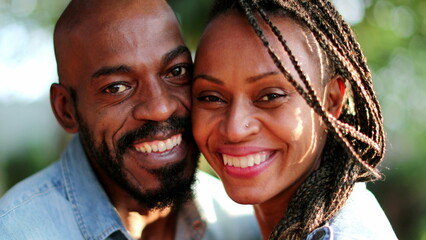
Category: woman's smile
[247,117]
[247,166]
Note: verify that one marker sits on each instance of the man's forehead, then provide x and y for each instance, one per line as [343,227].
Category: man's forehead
[140,33]
[141,14]
[107,33]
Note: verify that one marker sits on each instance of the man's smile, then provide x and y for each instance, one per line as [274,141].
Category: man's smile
[159,146]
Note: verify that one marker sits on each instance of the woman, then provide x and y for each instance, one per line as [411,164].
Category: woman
[285,113]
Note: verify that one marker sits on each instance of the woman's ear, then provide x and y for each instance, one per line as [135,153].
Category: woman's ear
[334,95]
[63,108]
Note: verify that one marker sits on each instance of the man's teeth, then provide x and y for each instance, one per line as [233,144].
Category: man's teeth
[159,146]
[245,161]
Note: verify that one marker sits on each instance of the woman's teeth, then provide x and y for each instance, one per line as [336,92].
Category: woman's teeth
[245,161]
[159,146]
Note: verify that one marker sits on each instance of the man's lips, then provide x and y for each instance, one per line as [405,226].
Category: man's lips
[159,146]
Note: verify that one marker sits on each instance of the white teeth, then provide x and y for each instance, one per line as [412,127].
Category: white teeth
[154,147]
[159,146]
[169,144]
[245,161]
[147,147]
[235,162]
[250,161]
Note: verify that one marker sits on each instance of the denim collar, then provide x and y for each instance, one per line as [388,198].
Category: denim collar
[95,215]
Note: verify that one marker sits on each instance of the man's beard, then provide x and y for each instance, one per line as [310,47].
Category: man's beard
[175,182]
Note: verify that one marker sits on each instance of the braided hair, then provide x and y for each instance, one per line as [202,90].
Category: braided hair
[356,141]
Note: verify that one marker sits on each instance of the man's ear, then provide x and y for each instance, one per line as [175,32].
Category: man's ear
[63,108]
[334,95]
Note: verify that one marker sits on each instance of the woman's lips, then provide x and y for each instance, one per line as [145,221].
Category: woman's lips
[249,160]
[245,162]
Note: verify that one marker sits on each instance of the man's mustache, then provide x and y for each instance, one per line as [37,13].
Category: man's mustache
[172,125]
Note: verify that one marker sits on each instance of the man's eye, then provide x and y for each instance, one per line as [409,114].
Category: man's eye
[116,88]
[177,71]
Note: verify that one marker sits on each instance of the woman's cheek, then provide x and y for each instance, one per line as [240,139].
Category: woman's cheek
[199,126]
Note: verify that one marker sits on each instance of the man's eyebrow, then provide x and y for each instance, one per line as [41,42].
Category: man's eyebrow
[208,78]
[109,70]
[168,57]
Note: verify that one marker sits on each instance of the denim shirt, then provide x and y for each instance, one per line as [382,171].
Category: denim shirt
[361,218]
[66,201]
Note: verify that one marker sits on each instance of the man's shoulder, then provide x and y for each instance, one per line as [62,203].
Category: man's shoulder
[225,218]
[34,202]
[32,187]
[362,217]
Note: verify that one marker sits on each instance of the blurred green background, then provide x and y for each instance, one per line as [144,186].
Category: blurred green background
[392,34]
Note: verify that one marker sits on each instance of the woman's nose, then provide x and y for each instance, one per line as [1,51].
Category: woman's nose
[240,122]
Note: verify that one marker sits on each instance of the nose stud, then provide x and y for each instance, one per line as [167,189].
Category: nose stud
[247,125]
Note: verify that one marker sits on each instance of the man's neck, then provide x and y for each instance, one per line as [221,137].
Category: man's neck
[141,223]
[155,224]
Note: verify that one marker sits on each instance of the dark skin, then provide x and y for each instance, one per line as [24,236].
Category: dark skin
[128,66]
[243,108]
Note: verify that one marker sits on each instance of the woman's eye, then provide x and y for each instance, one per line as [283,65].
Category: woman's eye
[177,71]
[209,98]
[270,97]
[116,88]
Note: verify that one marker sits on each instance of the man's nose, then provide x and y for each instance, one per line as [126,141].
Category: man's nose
[155,102]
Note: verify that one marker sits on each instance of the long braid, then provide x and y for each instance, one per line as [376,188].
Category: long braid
[310,95]
[360,62]
[349,49]
[360,85]
[355,142]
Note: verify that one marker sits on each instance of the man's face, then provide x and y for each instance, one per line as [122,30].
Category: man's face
[129,73]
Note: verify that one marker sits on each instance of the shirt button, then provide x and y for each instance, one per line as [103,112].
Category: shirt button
[319,234]
[322,233]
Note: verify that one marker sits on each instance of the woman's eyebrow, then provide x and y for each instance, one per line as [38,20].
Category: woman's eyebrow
[249,79]
[260,76]
[208,78]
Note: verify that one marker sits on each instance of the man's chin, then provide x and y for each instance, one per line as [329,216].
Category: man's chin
[174,186]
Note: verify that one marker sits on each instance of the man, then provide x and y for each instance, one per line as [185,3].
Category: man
[124,87]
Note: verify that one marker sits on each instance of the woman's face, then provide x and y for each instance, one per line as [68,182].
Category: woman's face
[255,130]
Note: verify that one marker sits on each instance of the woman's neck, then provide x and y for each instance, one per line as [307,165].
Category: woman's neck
[269,213]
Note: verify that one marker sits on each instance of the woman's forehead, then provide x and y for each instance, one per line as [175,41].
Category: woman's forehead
[230,34]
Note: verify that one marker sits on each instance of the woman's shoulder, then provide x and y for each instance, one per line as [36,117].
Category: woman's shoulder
[361,218]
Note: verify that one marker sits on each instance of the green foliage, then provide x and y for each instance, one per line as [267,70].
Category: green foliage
[393,37]
[193,16]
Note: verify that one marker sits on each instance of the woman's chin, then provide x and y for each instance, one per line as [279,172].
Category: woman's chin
[246,198]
